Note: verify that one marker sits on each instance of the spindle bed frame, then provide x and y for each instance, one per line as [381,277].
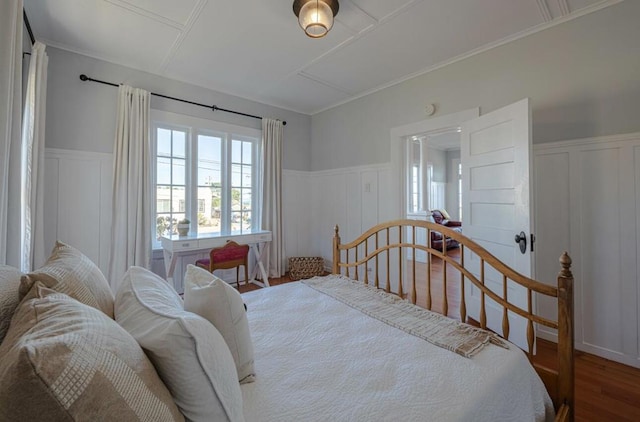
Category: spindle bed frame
[354,258]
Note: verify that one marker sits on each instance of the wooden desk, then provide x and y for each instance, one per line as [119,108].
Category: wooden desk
[176,246]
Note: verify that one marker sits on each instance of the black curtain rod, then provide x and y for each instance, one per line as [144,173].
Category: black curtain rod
[26,22]
[84,77]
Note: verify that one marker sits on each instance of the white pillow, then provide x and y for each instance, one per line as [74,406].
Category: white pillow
[188,352]
[221,304]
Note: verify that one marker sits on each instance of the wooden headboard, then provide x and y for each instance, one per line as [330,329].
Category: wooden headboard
[386,246]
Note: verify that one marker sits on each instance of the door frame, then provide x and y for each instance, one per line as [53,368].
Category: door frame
[398,136]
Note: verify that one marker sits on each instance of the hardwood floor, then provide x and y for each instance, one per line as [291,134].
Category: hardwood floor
[605,390]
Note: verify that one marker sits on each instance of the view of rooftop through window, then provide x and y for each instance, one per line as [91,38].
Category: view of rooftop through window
[210,180]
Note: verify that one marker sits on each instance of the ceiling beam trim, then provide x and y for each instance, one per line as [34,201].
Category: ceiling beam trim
[146,13]
[193,17]
[325,83]
[564,7]
[544,10]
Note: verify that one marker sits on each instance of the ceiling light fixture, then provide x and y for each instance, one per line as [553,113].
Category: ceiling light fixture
[316,16]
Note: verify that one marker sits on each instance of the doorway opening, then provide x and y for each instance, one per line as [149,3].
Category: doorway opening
[434,174]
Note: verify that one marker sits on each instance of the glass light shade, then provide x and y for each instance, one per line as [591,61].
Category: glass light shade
[316,18]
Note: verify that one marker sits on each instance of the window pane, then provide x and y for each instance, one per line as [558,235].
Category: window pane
[208,176]
[163,171]
[178,166]
[246,176]
[179,144]
[246,152]
[209,164]
[209,148]
[246,199]
[235,199]
[236,218]
[214,220]
[236,151]
[246,220]
[163,205]
[236,175]
[177,199]
[163,196]
[163,225]
[164,142]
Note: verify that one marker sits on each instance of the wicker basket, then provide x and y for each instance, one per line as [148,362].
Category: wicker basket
[305,267]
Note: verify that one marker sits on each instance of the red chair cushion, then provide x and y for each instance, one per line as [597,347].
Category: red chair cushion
[204,263]
[230,254]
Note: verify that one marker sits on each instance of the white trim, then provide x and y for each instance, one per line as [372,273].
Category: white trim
[544,10]
[549,146]
[184,32]
[147,14]
[200,123]
[76,154]
[564,7]
[342,170]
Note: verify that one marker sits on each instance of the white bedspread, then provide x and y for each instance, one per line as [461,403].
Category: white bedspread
[318,359]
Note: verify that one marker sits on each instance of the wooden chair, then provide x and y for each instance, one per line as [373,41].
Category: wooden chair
[231,255]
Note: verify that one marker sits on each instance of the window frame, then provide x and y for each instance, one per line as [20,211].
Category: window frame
[193,128]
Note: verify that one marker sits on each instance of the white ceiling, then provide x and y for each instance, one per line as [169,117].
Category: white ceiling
[255,49]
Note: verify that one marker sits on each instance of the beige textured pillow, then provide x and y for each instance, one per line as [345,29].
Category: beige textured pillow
[62,361]
[188,352]
[445,214]
[221,304]
[68,271]
[9,298]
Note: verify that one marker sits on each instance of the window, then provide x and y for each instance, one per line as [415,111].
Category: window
[207,172]
[170,165]
[415,156]
[424,193]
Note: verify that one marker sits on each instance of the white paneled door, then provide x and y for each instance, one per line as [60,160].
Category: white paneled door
[495,153]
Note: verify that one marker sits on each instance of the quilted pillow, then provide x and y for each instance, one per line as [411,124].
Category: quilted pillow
[221,304]
[70,272]
[66,361]
[188,352]
[9,298]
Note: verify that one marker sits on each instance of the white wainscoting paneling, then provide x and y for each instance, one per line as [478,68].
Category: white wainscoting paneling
[297,198]
[587,200]
[77,207]
[352,198]
[355,199]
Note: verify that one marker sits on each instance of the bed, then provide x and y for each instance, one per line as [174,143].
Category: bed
[334,348]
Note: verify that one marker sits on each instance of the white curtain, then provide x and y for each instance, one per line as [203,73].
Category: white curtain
[272,193]
[32,157]
[10,114]
[131,228]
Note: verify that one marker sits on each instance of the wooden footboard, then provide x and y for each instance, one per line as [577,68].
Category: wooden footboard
[378,257]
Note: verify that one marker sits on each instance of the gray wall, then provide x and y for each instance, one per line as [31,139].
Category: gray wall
[82,115]
[583,79]
[438,158]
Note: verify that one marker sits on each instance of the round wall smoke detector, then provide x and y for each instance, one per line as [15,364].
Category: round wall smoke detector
[429,109]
